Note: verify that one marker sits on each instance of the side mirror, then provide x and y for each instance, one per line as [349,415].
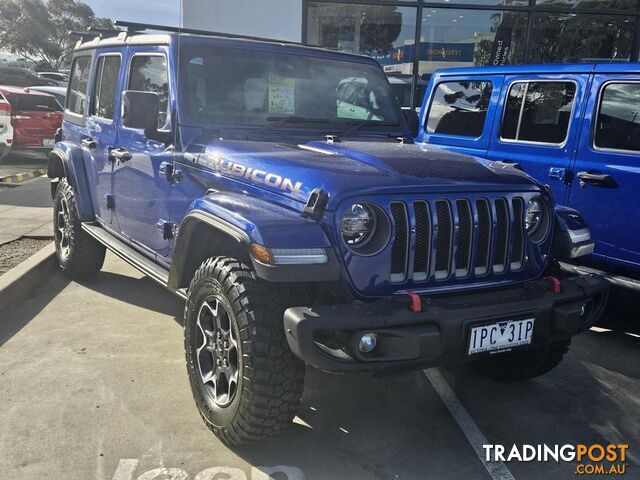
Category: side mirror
[140,110]
[413,121]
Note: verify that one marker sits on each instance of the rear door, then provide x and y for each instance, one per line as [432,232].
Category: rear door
[460,111]
[101,129]
[538,124]
[607,167]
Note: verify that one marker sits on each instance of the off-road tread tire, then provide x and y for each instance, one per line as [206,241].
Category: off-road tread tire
[87,254]
[522,366]
[273,378]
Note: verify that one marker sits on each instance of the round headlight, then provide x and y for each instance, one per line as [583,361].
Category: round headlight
[358,224]
[534,216]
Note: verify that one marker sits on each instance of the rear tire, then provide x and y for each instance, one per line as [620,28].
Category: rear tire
[522,366]
[79,255]
[245,380]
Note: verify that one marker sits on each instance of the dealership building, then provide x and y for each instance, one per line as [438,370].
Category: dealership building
[413,38]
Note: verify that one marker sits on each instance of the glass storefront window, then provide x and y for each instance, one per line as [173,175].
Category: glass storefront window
[591,4]
[459,38]
[491,3]
[562,38]
[384,32]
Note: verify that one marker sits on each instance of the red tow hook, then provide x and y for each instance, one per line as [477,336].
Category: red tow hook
[555,285]
[416,303]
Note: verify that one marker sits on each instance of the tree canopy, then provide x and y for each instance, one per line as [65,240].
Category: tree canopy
[39,31]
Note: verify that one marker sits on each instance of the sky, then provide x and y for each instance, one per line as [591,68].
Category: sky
[159,12]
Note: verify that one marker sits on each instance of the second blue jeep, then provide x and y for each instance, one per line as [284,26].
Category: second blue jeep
[300,222]
[573,127]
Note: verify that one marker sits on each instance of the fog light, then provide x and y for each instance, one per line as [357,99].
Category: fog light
[368,342]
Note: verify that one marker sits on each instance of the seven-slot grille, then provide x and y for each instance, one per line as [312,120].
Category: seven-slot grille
[457,238]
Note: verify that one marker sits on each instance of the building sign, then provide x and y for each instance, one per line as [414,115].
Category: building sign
[502,44]
[428,51]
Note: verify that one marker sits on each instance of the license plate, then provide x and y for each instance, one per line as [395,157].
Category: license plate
[48,142]
[500,336]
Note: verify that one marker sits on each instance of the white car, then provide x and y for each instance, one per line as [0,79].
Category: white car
[60,79]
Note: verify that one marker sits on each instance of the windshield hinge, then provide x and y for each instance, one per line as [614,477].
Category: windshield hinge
[168,229]
[331,139]
[170,173]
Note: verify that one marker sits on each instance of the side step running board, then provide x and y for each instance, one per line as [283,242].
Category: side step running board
[617,280]
[128,254]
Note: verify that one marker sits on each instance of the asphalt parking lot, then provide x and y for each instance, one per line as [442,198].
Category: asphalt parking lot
[94,386]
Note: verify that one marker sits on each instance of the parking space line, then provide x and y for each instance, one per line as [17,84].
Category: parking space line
[476,438]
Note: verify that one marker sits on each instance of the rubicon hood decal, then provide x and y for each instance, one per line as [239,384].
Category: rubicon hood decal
[225,165]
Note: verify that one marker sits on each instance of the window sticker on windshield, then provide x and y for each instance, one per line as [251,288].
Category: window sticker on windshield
[282,93]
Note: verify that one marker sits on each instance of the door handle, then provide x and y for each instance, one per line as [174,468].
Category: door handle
[600,179]
[119,154]
[89,143]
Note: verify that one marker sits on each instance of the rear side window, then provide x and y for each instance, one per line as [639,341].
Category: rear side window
[34,103]
[77,96]
[618,122]
[148,73]
[106,83]
[459,108]
[538,112]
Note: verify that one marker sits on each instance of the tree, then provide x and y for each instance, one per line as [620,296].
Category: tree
[39,32]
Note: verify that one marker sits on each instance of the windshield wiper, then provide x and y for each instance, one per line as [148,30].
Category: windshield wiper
[364,123]
[281,121]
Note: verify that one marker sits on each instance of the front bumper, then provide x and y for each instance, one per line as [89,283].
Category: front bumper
[326,336]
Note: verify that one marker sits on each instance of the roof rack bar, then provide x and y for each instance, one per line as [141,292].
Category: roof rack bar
[83,35]
[139,27]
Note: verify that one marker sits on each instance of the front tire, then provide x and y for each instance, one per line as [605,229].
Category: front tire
[245,380]
[522,366]
[79,255]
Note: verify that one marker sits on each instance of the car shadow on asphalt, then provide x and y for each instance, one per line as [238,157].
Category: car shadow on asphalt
[139,291]
[20,312]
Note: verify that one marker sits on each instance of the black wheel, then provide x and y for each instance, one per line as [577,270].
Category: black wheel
[521,366]
[245,380]
[79,255]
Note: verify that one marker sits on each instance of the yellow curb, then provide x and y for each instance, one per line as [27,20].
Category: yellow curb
[21,177]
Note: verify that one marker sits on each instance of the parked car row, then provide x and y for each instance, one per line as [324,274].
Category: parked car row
[575,128]
[31,107]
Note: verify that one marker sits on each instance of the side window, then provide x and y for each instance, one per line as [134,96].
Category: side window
[459,108]
[105,86]
[618,122]
[538,112]
[79,79]
[148,73]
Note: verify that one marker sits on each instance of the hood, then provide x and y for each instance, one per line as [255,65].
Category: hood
[350,168]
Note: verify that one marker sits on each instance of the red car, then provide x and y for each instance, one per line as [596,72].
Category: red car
[28,120]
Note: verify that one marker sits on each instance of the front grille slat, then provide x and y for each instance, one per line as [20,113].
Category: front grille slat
[517,251]
[400,247]
[422,241]
[444,244]
[465,233]
[483,244]
[501,236]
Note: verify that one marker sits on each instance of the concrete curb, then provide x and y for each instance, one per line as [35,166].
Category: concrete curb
[21,177]
[24,277]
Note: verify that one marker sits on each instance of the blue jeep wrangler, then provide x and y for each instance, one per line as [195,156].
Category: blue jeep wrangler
[573,127]
[301,224]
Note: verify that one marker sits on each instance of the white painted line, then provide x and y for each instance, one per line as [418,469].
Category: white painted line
[476,438]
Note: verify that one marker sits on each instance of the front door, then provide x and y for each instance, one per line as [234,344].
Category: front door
[538,126]
[142,194]
[606,189]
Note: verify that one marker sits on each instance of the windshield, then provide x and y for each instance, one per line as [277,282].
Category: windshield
[241,87]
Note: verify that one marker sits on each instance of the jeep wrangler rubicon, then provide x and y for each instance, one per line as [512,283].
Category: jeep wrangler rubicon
[301,223]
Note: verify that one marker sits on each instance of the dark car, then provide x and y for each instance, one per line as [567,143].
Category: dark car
[21,77]
[301,224]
